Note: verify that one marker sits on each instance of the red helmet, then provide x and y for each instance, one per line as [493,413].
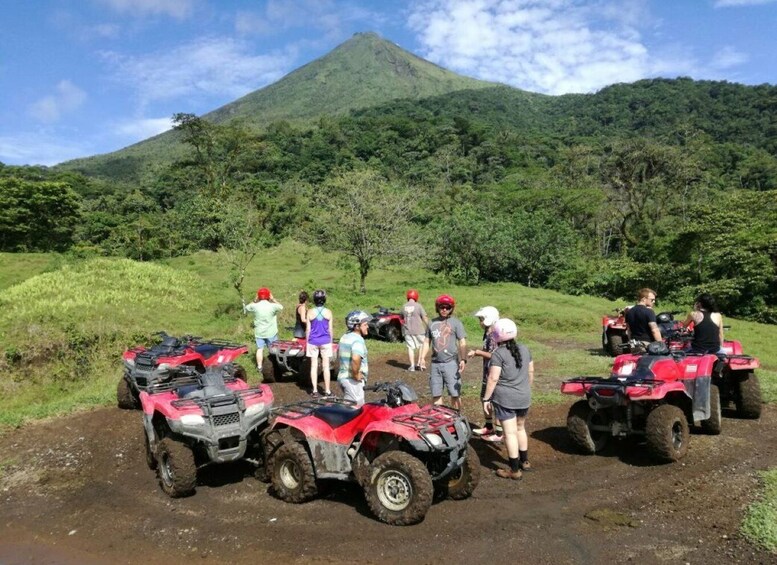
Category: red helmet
[444,299]
[412,294]
[263,293]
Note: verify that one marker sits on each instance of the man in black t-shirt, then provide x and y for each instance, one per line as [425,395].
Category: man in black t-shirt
[641,320]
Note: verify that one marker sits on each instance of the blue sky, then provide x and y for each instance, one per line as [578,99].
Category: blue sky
[81,77]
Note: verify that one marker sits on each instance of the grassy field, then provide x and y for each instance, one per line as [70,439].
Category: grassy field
[64,324]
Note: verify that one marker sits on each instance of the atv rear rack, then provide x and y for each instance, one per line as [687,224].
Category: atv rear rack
[307,407]
[220,343]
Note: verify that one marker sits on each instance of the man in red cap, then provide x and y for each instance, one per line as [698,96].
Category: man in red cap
[265,310]
[414,328]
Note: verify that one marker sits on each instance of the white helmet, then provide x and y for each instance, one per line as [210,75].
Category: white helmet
[489,314]
[504,330]
[355,318]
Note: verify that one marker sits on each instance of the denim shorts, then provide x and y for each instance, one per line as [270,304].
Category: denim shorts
[503,414]
[265,341]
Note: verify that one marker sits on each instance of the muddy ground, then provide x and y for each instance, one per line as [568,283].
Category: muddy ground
[76,490]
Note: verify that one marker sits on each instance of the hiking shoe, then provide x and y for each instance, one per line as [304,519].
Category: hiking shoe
[484,431]
[526,466]
[493,438]
[508,474]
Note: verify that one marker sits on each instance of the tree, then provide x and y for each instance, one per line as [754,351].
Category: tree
[364,216]
[37,215]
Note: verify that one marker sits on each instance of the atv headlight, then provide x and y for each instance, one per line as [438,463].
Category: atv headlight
[434,439]
[254,409]
[192,420]
[626,369]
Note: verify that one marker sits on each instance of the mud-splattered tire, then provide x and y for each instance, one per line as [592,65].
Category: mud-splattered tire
[399,490]
[236,371]
[713,424]
[579,419]
[270,370]
[615,345]
[176,469]
[293,476]
[667,434]
[393,334]
[150,459]
[748,396]
[462,483]
[125,398]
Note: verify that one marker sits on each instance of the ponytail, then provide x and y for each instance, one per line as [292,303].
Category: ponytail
[512,347]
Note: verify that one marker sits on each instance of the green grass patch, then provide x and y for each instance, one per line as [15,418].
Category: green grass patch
[62,331]
[760,523]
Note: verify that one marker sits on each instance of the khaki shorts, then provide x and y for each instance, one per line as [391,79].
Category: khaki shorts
[313,350]
[352,390]
[414,341]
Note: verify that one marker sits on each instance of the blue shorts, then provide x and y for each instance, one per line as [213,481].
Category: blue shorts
[265,341]
[503,414]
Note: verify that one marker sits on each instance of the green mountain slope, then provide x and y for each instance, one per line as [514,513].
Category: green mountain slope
[364,71]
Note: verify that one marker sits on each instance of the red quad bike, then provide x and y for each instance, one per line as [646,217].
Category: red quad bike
[288,357]
[655,395]
[395,450]
[386,324]
[614,336]
[144,367]
[198,419]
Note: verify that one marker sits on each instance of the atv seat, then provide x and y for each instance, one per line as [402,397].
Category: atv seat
[207,350]
[336,414]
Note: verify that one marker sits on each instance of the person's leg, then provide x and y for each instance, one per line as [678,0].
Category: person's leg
[410,355]
[523,443]
[436,383]
[510,429]
[314,373]
[327,375]
[259,353]
[453,383]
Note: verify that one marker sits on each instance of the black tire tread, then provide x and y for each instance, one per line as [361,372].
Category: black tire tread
[713,424]
[125,398]
[184,468]
[466,481]
[308,489]
[659,436]
[748,398]
[577,427]
[269,370]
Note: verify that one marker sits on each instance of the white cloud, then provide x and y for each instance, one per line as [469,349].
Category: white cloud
[66,98]
[179,9]
[736,3]
[39,149]
[219,67]
[728,57]
[549,46]
[137,130]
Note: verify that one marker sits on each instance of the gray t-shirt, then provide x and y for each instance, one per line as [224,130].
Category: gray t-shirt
[445,334]
[414,315]
[513,389]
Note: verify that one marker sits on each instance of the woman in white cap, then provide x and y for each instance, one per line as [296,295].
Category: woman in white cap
[508,394]
[488,315]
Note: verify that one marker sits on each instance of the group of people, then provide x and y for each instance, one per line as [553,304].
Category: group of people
[508,369]
[705,320]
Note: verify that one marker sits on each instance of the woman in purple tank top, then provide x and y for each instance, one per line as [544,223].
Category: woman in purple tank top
[319,338]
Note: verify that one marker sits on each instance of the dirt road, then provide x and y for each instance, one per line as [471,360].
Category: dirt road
[77,490]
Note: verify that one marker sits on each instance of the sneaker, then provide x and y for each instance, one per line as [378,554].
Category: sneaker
[493,438]
[411,369]
[508,474]
[315,394]
[526,466]
[484,431]
[328,394]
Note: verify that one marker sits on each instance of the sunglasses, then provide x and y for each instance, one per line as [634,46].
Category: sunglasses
[444,307]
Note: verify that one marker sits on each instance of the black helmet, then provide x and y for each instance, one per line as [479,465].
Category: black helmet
[664,317]
[319,297]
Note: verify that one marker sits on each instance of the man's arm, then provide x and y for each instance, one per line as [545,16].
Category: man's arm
[462,354]
[356,365]
[655,331]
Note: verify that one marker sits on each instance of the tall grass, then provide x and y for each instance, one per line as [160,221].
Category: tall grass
[62,332]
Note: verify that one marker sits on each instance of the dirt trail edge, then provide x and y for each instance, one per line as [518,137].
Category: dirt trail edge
[77,490]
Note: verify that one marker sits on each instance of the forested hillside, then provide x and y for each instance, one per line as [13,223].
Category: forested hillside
[665,183]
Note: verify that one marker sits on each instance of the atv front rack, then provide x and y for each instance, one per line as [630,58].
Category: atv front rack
[185,378]
[220,343]
[307,407]
[205,404]
[429,419]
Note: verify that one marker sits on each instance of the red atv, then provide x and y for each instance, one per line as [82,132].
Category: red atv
[614,336]
[386,324]
[396,451]
[144,367]
[197,419]
[735,377]
[288,357]
[656,395]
